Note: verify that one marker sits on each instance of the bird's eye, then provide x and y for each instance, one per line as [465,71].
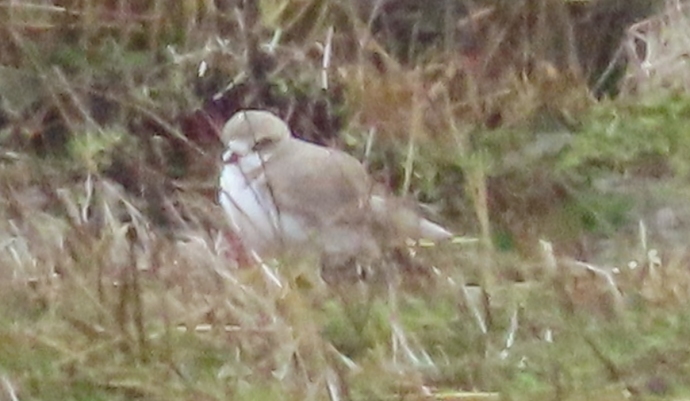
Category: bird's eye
[262,144]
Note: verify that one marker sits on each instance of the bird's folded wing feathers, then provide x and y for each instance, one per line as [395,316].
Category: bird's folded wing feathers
[342,188]
[335,181]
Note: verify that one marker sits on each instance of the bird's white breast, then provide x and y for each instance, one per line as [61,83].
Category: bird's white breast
[246,196]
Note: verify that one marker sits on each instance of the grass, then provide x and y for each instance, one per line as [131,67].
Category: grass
[117,280]
[161,318]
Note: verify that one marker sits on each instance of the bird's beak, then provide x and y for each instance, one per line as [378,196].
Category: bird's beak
[230,157]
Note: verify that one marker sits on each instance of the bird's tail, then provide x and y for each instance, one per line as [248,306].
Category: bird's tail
[402,222]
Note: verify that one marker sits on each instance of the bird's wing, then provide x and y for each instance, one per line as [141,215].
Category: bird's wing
[333,187]
[335,190]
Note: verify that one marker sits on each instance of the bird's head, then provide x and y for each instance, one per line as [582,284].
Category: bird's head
[253,131]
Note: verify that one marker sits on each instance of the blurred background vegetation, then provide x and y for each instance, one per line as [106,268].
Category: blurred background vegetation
[555,132]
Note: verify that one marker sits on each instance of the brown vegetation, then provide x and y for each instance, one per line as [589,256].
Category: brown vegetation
[116,276]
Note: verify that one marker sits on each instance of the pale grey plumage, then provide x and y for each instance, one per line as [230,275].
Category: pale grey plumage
[281,192]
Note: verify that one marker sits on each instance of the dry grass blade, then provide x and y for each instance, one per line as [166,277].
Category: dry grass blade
[662,62]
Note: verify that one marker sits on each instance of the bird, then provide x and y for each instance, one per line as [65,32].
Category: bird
[284,195]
